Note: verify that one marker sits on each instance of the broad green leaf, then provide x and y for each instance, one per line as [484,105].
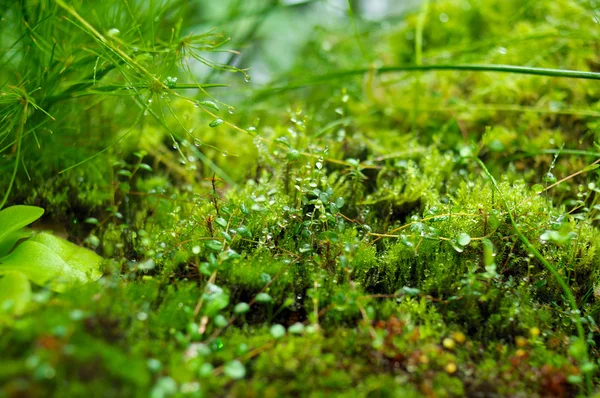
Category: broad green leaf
[11,239]
[77,258]
[15,293]
[41,265]
[16,217]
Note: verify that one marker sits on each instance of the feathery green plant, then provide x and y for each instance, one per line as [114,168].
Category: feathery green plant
[71,69]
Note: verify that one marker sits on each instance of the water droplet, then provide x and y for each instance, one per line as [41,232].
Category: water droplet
[224,153]
[197,142]
[231,110]
[216,122]
[252,131]
[113,32]
[247,78]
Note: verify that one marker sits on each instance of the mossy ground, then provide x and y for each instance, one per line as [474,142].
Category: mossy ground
[348,243]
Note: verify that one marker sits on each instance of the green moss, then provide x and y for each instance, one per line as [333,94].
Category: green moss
[348,245]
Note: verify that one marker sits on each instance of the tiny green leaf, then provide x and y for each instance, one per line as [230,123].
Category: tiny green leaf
[537,188]
[463,239]
[241,308]
[215,123]
[235,369]
[209,104]
[263,298]
[220,321]
[296,328]
[277,331]
[214,245]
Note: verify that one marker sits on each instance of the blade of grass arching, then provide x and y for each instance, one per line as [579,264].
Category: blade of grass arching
[106,148]
[418,61]
[565,288]
[523,70]
[498,68]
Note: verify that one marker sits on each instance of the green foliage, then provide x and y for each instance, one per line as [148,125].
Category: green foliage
[41,258]
[409,210]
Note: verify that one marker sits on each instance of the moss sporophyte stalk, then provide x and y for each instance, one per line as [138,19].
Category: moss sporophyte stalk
[396,199]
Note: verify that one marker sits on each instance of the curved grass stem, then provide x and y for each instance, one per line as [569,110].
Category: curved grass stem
[523,70]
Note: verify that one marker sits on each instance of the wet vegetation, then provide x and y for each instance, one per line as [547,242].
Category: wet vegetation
[398,205]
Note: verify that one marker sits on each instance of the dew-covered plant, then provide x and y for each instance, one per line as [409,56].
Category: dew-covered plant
[409,209]
[79,78]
